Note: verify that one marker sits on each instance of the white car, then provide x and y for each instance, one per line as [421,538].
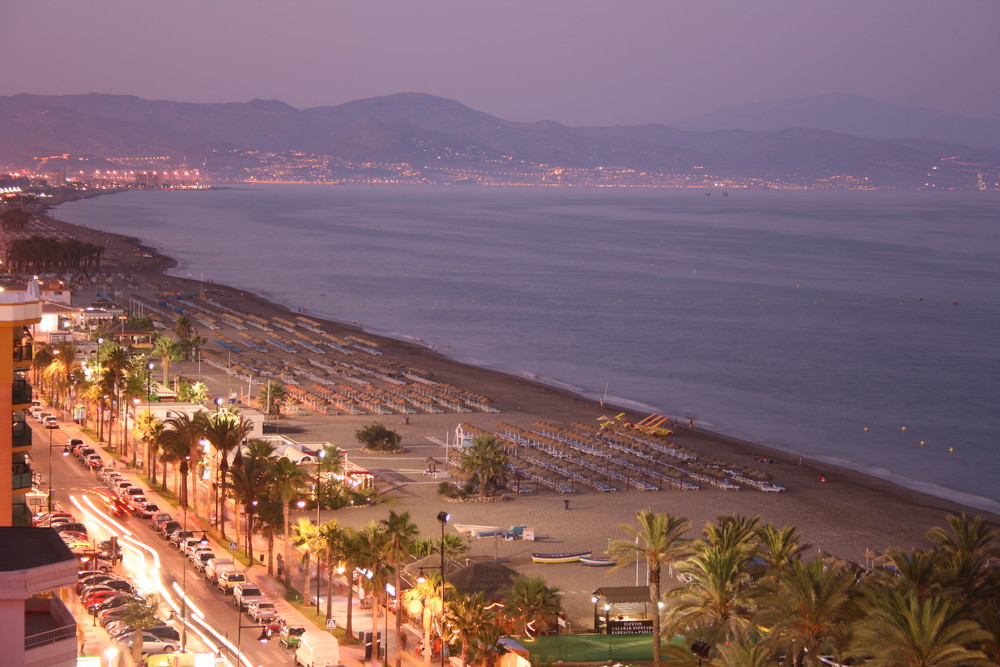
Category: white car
[262,611]
[50,422]
[152,643]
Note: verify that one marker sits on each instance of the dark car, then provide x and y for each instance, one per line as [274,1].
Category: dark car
[93,579]
[159,631]
[177,537]
[71,527]
[169,527]
[111,603]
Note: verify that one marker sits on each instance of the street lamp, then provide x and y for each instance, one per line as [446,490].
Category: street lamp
[52,491]
[111,654]
[443,518]
[263,638]
[319,486]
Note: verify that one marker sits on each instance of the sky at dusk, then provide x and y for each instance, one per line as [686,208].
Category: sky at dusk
[579,62]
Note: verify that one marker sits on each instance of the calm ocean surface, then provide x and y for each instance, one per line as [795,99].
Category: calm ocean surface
[792,318]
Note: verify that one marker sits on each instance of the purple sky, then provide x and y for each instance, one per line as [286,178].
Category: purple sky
[580,62]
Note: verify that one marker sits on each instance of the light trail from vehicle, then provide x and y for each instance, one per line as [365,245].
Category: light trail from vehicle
[198,625]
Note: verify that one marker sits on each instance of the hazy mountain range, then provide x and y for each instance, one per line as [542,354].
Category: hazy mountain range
[806,139]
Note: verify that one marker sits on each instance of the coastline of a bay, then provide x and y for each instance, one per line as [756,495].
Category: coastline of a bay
[528,374]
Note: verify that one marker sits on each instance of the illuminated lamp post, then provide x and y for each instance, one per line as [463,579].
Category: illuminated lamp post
[443,518]
[263,638]
[319,486]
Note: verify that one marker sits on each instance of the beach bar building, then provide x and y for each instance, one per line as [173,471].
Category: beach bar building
[623,610]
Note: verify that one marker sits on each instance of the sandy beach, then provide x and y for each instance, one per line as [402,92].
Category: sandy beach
[845,515]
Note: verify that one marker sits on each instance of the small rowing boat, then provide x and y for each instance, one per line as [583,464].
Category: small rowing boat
[558,558]
[596,562]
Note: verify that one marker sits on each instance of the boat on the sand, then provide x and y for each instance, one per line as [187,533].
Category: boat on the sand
[559,558]
[596,562]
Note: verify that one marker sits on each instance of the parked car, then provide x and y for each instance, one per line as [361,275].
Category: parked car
[262,611]
[89,578]
[42,414]
[99,596]
[147,510]
[201,559]
[244,593]
[119,629]
[50,422]
[227,580]
[179,535]
[216,566]
[290,635]
[73,527]
[153,644]
[95,462]
[112,602]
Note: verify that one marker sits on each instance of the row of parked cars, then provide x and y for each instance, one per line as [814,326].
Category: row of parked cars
[47,419]
[105,594]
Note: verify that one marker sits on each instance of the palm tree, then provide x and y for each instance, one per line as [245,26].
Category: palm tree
[735,531]
[116,363]
[226,431]
[808,609]
[743,655]
[924,572]
[64,369]
[656,542]
[531,606]
[967,549]
[373,552]
[189,430]
[329,547]
[305,535]
[287,480]
[423,602]
[151,430]
[272,396]
[485,464]
[248,482]
[465,616]
[779,546]
[41,357]
[718,598]
[454,546]
[901,630]
[167,349]
[353,553]
[400,533]
[271,515]
[258,449]
[175,450]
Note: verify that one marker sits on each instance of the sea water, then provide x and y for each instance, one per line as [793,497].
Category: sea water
[856,328]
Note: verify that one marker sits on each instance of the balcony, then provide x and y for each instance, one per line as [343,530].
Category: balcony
[20,391]
[21,477]
[20,436]
[23,354]
[49,632]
